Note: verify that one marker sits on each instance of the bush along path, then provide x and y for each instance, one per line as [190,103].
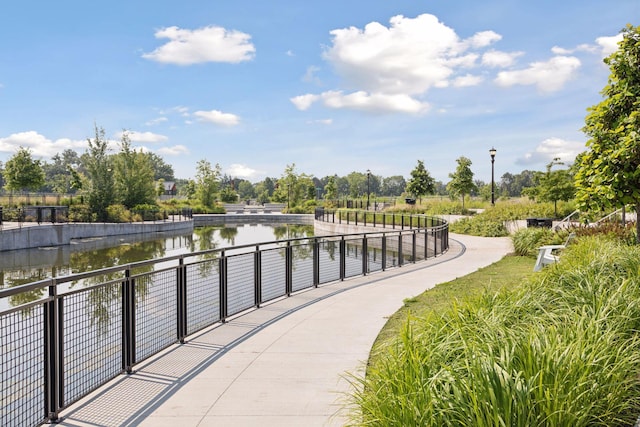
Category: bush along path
[563,349]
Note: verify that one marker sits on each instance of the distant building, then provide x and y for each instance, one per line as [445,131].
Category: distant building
[170,188]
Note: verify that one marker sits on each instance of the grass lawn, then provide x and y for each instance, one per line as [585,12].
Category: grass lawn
[508,273]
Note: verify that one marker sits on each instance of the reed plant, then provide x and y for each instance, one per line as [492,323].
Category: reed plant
[562,350]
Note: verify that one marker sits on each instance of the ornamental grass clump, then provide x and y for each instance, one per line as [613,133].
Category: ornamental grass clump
[562,350]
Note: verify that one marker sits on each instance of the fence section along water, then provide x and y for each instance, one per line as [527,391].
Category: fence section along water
[64,337]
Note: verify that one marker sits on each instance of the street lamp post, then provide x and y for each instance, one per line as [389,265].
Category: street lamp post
[492,152]
[368,187]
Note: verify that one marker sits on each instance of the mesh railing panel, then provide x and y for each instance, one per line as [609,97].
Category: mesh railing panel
[273,273]
[329,261]
[302,267]
[21,367]
[156,312]
[203,295]
[92,339]
[392,251]
[353,258]
[374,247]
[240,283]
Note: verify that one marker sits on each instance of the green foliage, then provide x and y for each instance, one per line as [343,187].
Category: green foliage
[227,195]
[462,179]
[133,175]
[559,351]
[207,182]
[421,182]
[101,192]
[479,225]
[526,241]
[609,172]
[21,172]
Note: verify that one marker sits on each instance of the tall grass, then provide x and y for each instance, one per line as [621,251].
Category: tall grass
[560,351]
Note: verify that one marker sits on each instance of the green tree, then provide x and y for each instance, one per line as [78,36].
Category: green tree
[207,182]
[133,175]
[554,185]
[609,172]
[21,172]
[331,190]
[393,186]
[161,170]
[461,182]
[421,183]
[99,167]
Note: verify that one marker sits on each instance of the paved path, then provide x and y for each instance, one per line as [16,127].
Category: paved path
[282,365]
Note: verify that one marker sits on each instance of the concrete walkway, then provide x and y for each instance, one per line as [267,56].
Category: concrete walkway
[286,364]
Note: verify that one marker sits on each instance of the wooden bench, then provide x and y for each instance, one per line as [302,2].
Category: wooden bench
[548,254]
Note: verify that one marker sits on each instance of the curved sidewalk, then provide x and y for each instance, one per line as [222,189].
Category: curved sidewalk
[282,365]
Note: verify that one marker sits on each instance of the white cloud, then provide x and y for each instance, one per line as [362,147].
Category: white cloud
[549,76]
[310,75]
[496,58]
[467,80]
[324,121]
[218,117]
[408,57]
[363,101]
[552,148]
[241,171]
[39,145]
[290,53]
[157,121]
[144,136]
[208,44]
[176,150]
[608,45]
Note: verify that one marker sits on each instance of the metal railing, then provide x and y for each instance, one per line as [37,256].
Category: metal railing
[64,337]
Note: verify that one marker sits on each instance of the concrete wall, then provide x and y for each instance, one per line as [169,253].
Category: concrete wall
[62,234]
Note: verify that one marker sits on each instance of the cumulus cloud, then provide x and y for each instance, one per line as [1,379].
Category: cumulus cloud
[548,76]
[39,145]
[363,101]
[217,117]
[390,68]
[552,148]
[608,45]
[208,44]
[467,80]
[241,171]
[176,150]
[496,58]
[144,136]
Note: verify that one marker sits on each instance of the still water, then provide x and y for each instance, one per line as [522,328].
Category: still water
[30,265]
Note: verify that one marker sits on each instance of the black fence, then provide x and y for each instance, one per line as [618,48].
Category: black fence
[64,337]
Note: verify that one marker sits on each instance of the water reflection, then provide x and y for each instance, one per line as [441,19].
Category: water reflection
[30,265]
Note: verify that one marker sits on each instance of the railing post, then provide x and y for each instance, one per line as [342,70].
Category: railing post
[128,323]
[426,243]
[400,248]
[414,253]
[257,277]
[316,262]
[384,252]
[289,266]
[223,287]
[435,243]
[365,256]
[53,384]
[181,273]
[343,258]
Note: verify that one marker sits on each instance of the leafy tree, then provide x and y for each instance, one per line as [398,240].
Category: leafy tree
[133,175]
[1,175]
[207,182]
[21,172]
[99,167]
[59,174]
[246,190]
[331,189]
[393,186]
[553,185]
[228,195]
[461,182]
[421,183]
[609,172]
[161,170]
[357,184]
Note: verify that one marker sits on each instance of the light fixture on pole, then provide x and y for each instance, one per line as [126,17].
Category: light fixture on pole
[368,187]
[492,152]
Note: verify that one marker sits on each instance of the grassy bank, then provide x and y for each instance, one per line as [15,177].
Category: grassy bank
[559,348]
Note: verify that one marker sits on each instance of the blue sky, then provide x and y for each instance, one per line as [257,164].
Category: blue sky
[330,86]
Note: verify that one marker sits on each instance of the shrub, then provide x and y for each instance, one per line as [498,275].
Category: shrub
[526,241]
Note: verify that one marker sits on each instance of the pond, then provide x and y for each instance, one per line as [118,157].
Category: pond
[30,265]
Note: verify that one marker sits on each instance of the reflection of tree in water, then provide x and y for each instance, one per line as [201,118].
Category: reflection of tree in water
[229,234]
[26,276]
[100,299]
[204,238]
[292,231]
